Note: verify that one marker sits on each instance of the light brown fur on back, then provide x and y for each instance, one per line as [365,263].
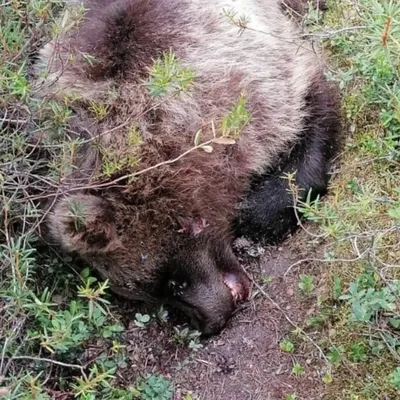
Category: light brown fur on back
[268,62]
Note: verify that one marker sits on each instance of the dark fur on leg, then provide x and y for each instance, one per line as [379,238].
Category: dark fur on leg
[268,212]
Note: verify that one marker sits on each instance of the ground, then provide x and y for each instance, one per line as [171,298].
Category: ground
[245,361]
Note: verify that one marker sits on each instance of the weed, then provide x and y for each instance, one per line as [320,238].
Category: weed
[155,388]
[168,76]
[162,314]
[290,396]
[297,369]
[141,319]
[189,337]
[327,379]
[286,346]
[236,119]
[306,284]
[394,378]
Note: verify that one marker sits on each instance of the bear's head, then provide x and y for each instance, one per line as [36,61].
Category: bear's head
[187,268]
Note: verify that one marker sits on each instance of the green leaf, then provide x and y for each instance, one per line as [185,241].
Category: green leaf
[286,346]
[337,287]
[306,283]
[394,378]
[395,213]
[327,378]
[297,369]
[395,322]
[145,318]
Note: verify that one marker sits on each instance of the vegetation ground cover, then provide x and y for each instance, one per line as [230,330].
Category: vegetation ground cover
[61,332]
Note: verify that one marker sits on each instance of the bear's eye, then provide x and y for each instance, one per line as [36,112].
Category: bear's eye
[176,288]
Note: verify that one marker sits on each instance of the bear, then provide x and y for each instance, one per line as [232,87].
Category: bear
[211,106]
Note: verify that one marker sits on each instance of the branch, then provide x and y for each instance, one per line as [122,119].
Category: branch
[49,360]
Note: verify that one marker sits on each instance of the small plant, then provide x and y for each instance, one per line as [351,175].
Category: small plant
[141,320]
[155,387]
[337,287]
[234,122]
[241,21]
[99,110]
[162,314]
[306,284]
[265,279]
[365,303]
[187,336]
[290,396]
[394,378]
[77,211]
[327,379]
[358,352]
[88,385]
[335,355]
[287,346]
[168,76]
[228,129]
[297,369]
[93,295]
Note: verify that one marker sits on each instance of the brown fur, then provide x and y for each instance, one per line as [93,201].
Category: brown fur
[178,214]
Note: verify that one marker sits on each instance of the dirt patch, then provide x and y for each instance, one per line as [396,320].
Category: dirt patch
[245,360]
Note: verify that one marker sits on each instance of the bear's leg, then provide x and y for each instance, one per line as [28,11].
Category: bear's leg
[268,212]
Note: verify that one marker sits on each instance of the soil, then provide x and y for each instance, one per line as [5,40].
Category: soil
[245,361]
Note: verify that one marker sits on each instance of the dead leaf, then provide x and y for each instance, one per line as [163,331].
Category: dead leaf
[224,140]
[207,148]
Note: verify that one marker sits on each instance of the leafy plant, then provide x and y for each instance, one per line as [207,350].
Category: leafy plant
[394,378]
[358,352]
[155,387]
[141,319]
[287,346]
[306,284]
[297,369]
[168,76]
[189,337]
[365,303]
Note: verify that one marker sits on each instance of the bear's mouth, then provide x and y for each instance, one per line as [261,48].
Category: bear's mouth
[239,289]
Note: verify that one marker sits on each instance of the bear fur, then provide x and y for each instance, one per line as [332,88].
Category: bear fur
[166,234]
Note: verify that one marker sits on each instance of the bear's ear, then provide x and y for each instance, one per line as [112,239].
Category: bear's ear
[84,224]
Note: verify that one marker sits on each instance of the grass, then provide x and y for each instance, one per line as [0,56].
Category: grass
[59,334]
[358,317]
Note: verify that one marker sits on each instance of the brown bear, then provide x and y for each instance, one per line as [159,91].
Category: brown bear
[208,106]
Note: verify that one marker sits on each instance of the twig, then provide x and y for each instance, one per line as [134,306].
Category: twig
[329,34]
[49,360]
[337,260]
[291,322]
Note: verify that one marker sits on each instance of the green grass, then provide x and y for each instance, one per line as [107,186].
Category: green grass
[51,315]
[358,321]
